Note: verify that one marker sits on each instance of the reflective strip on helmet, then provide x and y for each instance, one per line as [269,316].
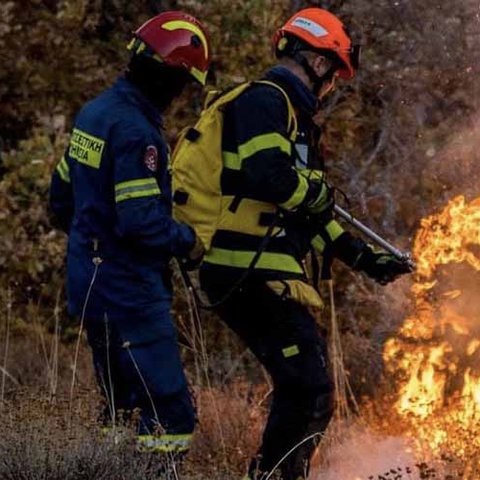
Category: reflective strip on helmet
[255,145]
[63,170]
[334,230]
[86,148]
[298,196]
[178,24]
[143,187]
[164,443]
[310,26]
[242,259]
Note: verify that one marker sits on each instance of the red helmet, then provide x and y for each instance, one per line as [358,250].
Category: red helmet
[176,39]
[320,30]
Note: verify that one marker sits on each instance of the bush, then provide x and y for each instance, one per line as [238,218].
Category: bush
[384,134]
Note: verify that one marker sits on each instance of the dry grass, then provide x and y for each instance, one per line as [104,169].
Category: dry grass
[228,449]
[45,436]
[42,439]
[50,439]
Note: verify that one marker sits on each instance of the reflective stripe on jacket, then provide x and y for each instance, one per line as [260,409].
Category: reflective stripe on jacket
[266,172]
[111,193]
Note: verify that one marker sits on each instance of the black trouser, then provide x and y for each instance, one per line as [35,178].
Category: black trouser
[284,337]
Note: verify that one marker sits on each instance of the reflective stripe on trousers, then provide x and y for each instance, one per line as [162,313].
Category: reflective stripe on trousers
[164,443]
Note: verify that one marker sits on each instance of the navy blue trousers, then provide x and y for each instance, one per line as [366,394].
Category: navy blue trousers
[142,372]
[284,337]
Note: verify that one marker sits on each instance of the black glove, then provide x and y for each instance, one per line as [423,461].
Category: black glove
[383,267]
[195,255]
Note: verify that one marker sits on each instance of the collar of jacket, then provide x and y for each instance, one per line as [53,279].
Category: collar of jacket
[299,93]
[135,96]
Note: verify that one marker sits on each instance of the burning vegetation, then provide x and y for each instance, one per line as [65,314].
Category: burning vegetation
[434,359]
[412,98]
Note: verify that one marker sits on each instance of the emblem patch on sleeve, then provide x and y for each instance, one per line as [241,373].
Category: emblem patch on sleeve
[151,158]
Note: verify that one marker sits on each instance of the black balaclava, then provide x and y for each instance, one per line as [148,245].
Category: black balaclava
[160,83]
[295,49]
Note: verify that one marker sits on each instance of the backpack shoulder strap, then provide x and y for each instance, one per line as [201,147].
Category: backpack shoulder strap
[216,99]
[292,118]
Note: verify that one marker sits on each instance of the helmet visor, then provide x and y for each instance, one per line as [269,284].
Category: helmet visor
[355,54]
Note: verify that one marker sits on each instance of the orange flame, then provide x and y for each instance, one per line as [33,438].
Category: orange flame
[471,396]
[433,356]
[445,238]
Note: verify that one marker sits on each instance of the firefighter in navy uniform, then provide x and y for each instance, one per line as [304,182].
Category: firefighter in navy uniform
[111,193]
[278,191]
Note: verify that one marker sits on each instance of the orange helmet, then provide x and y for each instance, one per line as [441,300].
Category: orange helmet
[319,30]
[177,40]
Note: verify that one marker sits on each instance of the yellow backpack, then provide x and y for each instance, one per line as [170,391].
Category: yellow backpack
[197,164]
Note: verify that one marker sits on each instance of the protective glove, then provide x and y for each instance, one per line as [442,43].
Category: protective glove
[195,255]
[322,199]
[383,267]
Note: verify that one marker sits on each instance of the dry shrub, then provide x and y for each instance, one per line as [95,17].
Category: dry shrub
[38,359]
[231,420]
[59,441]
[384,133]
[31,253]
[44,435]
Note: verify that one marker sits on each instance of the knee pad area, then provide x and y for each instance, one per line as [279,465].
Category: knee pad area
[311,403]
[322,406]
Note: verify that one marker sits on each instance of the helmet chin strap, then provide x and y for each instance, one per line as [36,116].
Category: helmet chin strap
[317,81]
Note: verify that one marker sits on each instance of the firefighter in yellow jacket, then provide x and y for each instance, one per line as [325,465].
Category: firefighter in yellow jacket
[278,205]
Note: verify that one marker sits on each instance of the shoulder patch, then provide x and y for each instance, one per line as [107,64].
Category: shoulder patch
[151,158]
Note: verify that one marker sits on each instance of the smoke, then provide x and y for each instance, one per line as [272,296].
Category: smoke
[455,166]
[433,155]
[364,455]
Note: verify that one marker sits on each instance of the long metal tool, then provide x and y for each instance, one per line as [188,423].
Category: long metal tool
[381,242]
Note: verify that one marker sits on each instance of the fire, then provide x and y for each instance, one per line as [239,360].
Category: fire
[446,238]
[436,356]
[425,388]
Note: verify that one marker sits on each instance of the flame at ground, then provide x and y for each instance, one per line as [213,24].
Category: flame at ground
[436,356]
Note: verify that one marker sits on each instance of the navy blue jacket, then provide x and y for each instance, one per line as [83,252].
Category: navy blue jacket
[111,193]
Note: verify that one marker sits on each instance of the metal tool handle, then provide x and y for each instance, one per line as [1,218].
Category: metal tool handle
[381,242]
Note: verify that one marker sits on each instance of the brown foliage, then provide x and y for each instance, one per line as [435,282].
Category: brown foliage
[384,134]
[416,85]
